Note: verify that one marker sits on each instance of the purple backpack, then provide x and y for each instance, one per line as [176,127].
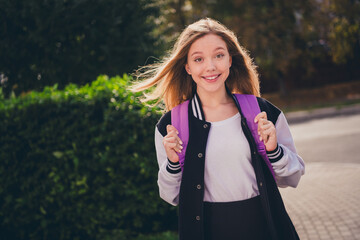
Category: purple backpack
[249,107]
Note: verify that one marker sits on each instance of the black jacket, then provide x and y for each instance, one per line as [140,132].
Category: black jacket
[191,196]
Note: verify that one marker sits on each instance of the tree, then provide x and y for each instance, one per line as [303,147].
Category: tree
[345,30]
[294,43]
[61,41]
[270,30]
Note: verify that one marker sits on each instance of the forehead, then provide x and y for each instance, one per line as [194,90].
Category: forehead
[208,43]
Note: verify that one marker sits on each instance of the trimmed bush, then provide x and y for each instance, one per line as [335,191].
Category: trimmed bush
[80,164]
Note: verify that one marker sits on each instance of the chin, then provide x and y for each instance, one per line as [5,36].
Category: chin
[213,89]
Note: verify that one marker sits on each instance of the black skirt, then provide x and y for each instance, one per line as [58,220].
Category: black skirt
[241,220]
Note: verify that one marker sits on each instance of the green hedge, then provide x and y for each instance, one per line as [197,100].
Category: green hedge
[80,164]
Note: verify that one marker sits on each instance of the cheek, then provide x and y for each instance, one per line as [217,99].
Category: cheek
[194,69]
[228,63]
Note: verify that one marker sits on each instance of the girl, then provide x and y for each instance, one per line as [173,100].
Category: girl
[225,191]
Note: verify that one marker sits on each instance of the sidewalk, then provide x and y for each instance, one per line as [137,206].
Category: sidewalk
[306,115]
[325,205]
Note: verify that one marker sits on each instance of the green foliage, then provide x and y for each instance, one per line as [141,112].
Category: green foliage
[161,236]
[345,31]
[80,163]
[70,41]
[296,44]
[271,31]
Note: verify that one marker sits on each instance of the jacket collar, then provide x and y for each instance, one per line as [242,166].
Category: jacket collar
[197,109]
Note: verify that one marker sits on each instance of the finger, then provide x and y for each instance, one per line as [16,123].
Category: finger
[173,139]
[270,131]
[178,148]
[172,132]
[178,139]
[263,137]
[263,134]
[262,125]
[266,139]
[259,116]
[265,124]
[171,128]
[270,135]
[169,145]
[170,139]
[173,146]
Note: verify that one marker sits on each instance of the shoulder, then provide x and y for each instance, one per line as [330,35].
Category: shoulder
[271,110]
[163,122]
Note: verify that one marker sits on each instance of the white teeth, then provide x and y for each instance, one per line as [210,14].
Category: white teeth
[211,78]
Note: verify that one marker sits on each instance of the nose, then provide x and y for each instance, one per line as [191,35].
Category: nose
[210,65]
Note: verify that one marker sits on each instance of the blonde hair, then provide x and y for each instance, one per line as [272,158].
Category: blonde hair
[174,85]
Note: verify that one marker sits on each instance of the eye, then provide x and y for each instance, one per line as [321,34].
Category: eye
[197,59]
[220,55]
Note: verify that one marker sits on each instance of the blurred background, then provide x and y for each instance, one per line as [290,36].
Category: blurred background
[76,151]
[296,44]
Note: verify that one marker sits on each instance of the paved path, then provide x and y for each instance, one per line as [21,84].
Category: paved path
[335,139]
[308,115]
[326,204]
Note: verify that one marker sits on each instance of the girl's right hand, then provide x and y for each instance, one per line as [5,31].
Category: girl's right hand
[172,144]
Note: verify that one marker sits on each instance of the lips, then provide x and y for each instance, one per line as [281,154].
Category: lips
[211,78]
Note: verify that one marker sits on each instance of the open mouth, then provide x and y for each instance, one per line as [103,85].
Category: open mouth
[212,78]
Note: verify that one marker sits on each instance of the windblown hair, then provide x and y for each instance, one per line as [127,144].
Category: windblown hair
[172,83]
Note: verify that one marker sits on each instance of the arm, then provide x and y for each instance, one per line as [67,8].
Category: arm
[169,176]
[288,165]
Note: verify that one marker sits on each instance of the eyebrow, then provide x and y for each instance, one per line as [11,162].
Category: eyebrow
[216,49]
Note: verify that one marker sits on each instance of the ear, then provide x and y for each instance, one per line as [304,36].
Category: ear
[230,61]
[187,68]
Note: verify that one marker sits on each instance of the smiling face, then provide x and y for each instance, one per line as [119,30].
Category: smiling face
[208,62]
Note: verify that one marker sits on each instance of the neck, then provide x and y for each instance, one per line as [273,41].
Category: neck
[214,99]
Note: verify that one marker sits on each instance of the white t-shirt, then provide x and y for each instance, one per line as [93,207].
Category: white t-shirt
[229,174]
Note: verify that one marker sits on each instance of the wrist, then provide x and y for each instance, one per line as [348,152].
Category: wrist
[276,154]
[173,167]
[271,147]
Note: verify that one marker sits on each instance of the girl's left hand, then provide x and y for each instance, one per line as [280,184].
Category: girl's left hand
[266,131]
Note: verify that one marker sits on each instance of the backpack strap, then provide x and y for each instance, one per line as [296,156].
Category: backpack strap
[180,120]
[250,108]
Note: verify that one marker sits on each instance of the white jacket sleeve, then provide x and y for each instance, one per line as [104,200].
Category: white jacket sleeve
[290,167]
[169,183]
